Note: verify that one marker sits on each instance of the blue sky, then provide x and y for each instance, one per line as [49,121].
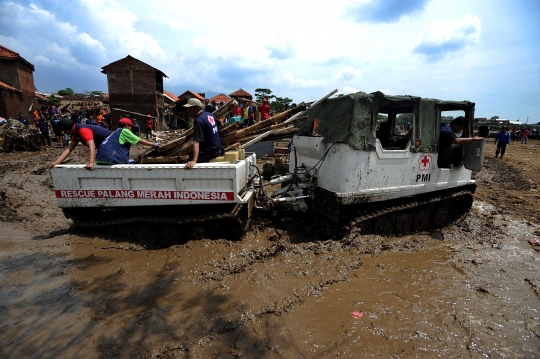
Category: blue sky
[485,51]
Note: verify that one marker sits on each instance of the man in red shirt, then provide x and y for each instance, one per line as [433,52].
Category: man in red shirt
[149,126]
[91,136]
[264,109]
[524,136]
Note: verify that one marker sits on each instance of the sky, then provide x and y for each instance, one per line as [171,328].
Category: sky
[484,51]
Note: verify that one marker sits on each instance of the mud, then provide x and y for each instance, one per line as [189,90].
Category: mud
[285,290]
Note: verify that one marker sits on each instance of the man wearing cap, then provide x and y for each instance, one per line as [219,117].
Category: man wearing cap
[206,142]
[115,148]
[90,136]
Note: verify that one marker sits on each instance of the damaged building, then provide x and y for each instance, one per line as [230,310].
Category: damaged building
[17,90]
[134,88]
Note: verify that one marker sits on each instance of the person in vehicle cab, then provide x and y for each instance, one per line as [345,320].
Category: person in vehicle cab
[115,148]
[91,136]
[450,143]
[206,142]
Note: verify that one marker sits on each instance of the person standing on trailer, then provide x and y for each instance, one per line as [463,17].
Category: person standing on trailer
[206,142]
[91,136]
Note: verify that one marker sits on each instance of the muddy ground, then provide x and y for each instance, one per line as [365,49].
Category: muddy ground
[290,288]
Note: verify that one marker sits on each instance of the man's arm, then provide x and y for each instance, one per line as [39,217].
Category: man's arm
[92,156]
[64,154]
[464,141]
[195,155]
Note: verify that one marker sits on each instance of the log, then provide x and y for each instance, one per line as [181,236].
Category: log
[228,129]
[222,111]
[232,147]
[181,150]
[172,144]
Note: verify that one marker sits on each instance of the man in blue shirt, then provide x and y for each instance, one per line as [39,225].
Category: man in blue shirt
[501,140]
[76,117]
[43,128]
[23,120]
[206,142]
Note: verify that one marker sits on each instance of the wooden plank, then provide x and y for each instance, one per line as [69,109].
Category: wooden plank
[172,144]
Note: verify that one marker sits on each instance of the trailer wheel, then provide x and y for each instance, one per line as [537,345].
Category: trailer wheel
[421,221]
[145,235]
[403,224]
[441,217]
[384,227]
[169,236]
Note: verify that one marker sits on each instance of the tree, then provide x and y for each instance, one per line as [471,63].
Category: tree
[280,103]
[68,91]
[96,93]
[261,93]
[404,119]
[54,100]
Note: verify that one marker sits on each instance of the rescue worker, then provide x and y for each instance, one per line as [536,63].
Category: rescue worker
[56,130]
[206,142]
[115,148]
[450,144]
[43,128]
[501,140]
[90,136]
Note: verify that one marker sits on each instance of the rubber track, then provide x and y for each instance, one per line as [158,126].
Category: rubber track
[385,210]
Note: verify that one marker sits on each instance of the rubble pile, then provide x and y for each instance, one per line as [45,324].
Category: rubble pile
[177,145]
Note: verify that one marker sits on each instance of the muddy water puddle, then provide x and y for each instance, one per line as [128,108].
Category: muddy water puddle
[73,296]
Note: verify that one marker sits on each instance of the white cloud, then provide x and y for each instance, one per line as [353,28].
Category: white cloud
[347,90]
[441,38]
[297,82]
[348,73]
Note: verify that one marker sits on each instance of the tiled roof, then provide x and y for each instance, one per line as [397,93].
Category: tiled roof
[193,94]
[10,54]
[171,95]
[220,98]
[104,68]
[8,87]
[41,97]
[240,93]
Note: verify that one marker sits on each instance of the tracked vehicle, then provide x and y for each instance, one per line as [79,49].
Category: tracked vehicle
[357,159]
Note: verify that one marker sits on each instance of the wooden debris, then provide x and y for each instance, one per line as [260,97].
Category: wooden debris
[177,145]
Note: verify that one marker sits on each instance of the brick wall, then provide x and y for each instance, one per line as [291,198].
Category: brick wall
[11,103]
[26,76]
[9,73]
[132,87]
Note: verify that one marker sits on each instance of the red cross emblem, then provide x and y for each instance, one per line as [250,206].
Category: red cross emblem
[211,120]
[424,162]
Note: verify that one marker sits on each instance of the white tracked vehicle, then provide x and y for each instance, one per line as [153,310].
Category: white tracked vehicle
[352,160]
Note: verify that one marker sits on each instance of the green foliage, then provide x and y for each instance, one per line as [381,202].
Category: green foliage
[54,100]
[404,118]
[280,103]
[96,93]
[261,93]
[382,118]
[494,118]
[68,91]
